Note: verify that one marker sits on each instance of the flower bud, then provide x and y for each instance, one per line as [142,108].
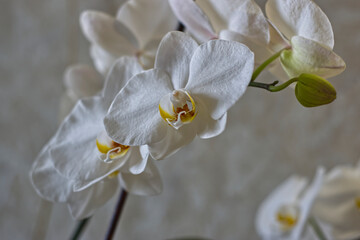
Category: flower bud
[312,90]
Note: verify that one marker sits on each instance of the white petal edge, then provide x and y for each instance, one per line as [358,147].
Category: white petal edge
[82,81]
[47,182]
[300,17]
[108,33]
[137,162]
[206,126]
[260,50]
[172,142]
[147,183]
[102,59]
[65,106]
[248,20]
[122,70]
[83,204]
[306,203]
[174,56]
[195,20]
[148,19]
[220,72]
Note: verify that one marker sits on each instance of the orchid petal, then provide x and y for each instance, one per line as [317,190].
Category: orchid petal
[218,13]
[260,50]
[307,202]
[47,182]
[138,159]
[172,142]
[144,184]
[277,40]
[108,33]
[335,204]
[301,17]
[208,127]
[65,106]
[101,58]
[174,55]
[191,15]
[220,72]
[133,118]
[247,20]
[82,81]
[83,204]
[74,153]
[148,19]
[146,57]
[122,70]
[307,56]
[287,193]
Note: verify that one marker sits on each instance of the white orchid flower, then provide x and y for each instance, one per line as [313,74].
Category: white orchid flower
[240,20]
[84,160]
[80,81]
[54,187]
[187,93]
[136,31]
[284,213]
[303,28]
[338,202]
[300,28]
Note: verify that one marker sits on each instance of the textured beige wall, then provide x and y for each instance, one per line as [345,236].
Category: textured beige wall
[212,187]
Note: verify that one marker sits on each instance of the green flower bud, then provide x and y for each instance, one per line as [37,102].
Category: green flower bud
[312,90]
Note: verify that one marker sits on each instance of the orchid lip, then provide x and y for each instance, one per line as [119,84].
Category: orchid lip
[287,217]
[109,150]
[178,108]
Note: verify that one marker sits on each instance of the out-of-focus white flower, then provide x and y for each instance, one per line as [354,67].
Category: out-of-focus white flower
[240,20]
[338,202]
[80,81]
[284,213]
[136,31]
[187,93]
[81,165]
[304,27]
[300,27]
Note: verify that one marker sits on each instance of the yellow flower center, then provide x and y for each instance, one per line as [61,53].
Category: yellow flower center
[109,149]
[177,108]
[113,174]
[286,220]
[357,203]
[287,217]
[115,149]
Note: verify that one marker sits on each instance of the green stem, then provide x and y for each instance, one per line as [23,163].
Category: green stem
[265,64]
[263,85]
[313,223]
[282,86]
[118,210]
[79,228]
[271,87]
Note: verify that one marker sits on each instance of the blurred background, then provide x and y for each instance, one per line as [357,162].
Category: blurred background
[212,188]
